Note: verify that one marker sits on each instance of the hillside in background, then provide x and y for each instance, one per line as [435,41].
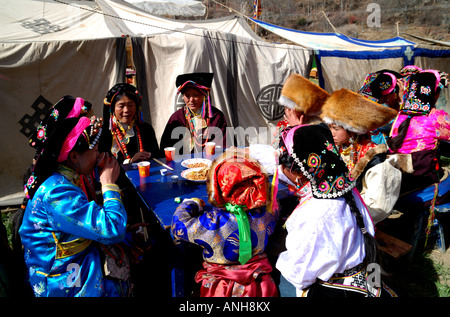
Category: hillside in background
[367,20]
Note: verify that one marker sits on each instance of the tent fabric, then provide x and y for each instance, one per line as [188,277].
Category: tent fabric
[242,67]
[26,21]
[82,52]
[344,62]
[40,20]
[332,41]
[133,21]
[36,74]
[186,8]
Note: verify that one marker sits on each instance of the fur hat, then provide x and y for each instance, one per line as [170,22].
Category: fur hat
[303,95]
[354,112]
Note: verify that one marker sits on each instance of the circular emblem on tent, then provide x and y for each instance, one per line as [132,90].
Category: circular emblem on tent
[267,100]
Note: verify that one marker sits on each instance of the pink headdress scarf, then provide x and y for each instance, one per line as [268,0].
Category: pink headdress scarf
[436,73]
[391,87]
[72,138]
[76,110]
[288,138]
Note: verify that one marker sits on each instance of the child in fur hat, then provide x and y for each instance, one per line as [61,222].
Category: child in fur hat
[351,118]
[234,231]
[302,101]
[358,116]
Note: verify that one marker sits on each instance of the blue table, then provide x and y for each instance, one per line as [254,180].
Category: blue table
[158,195]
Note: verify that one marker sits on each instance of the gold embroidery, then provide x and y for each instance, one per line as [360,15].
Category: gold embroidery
[65,249]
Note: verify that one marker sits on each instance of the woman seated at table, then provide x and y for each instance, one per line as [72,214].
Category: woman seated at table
[127,136]
[62,230]
[233,233]
[199,121]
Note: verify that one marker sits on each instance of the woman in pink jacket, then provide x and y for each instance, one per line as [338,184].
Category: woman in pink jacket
[419,128]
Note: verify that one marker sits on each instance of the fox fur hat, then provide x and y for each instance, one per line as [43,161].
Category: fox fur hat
[301,94]
[355,113]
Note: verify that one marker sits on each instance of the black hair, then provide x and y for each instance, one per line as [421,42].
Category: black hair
[396,142]
[120,90]
[370,244]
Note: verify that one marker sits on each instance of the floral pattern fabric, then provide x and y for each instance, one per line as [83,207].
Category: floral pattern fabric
[424,131]
[216,231]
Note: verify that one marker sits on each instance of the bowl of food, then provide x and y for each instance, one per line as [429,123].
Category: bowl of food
[197,174]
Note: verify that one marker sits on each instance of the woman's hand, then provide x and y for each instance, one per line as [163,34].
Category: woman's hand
[110,171]
[140,156]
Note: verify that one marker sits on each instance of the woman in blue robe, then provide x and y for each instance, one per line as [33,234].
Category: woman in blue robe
[61,229]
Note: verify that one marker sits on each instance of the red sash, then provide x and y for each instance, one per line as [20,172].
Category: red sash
[252,279]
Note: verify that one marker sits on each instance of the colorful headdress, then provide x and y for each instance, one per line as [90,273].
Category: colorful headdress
[301,94]
[355,113]
[420,92]
[409,70]
[237,183]
[379,84]
[236,178]
[444,80]
[313,151]
[91,130]
[66,107]
[64,136]
[200,81]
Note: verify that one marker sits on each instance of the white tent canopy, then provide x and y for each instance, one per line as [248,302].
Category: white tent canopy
[171,7]
[332,41]
[46,20]
[343,62]
[49,49]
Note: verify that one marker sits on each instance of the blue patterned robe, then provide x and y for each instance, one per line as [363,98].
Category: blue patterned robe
[61,211]
[216,231]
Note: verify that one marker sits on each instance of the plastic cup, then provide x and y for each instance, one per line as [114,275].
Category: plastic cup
[210,148]
[144,168]
[170,153]
[101,160]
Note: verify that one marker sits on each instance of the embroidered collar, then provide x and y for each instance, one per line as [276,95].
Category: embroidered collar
[70,174]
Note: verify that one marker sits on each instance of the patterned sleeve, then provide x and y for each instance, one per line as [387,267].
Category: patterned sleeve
[70,211]
[442,125]
[185,219]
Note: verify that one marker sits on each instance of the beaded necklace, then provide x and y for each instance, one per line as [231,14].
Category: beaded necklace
[122,142]
[190,119]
